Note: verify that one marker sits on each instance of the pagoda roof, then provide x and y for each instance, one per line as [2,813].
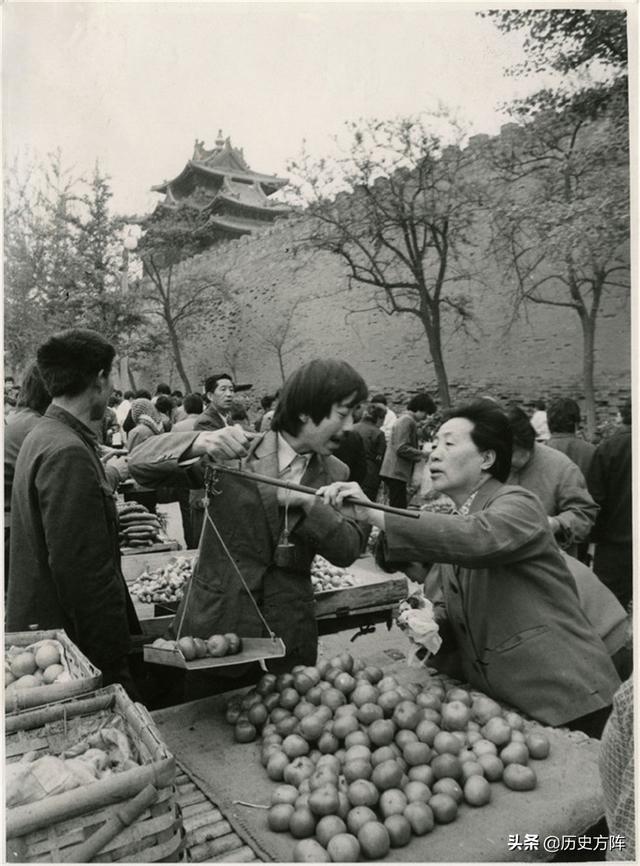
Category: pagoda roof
[234,225]
[225,162]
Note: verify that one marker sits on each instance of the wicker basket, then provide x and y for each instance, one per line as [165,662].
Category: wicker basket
[86,677]
[48,830]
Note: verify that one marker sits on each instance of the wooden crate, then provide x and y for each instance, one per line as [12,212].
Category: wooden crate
[371,592]
[86,677]
[48,830]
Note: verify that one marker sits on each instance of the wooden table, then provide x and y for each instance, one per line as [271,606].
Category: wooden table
[567,800]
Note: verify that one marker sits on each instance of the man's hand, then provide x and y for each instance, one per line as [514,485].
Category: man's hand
[554,525]
[229,443]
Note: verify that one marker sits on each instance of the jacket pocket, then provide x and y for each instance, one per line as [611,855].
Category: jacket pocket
[519,638]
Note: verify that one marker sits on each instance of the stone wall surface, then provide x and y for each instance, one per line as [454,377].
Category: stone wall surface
[540,355]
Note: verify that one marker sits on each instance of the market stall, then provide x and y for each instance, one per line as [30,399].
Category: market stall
[564,804]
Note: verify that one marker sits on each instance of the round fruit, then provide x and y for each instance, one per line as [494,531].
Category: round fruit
[278,817]
[407,715]
[289,697]
[477,791]
[276,766]
[200,647]
[328,743]
[328,827]
[46,655]
[358,817]
[420,817]
[217,645]
[25,663]
[484,708]
[497,731]
[444,808]
[187,647]
[455,715]
[302,683]
[357,738]
[484,747]
[519,778]
[302,824]
[324,800]
[258,714]
[344,848]
[450,787]
[492,767]
[358,768]
[284,794]
[245,732]
[51,673]
[333,698]
[369,712]
[447,742]
[387,775]
[298,770]
[399,830]
[323,775]
[362,792]
[392,802]
[344,725]
[470,769]
[374,840]
[538,745]
[446,765]
[417,792]
[426,731]
[310,851]
[515,753]
[294,746]
[422,773]
[381,732]
[404,736]
[416,753]
[27,681]
[383,753]
[364,694]
[345,682]
[458,694]
[389,700]
[373,674]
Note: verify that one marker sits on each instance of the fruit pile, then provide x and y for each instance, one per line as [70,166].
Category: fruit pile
[137,526]
[165,583]
[191,648]
[325,576]
[364,763]
[38,665]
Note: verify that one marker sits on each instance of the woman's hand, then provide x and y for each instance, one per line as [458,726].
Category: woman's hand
[335,494]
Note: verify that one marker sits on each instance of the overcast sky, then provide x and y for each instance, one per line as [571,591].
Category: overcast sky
[133,84]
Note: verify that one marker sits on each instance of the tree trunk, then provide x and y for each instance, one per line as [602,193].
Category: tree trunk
[177,355]
[432,330]
[281,365]
[588,351]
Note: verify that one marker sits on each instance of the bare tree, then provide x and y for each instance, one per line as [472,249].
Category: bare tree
[400,210]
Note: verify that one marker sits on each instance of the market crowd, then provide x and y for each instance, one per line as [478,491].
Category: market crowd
[521,529]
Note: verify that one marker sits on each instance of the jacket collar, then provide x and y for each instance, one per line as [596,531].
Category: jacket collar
[70,420]
[485,492]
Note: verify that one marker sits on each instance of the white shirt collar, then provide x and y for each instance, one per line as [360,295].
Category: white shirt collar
[287,455]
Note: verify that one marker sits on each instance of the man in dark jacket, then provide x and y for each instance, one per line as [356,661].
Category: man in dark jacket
[65,560]
[610,485]
[219,389]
